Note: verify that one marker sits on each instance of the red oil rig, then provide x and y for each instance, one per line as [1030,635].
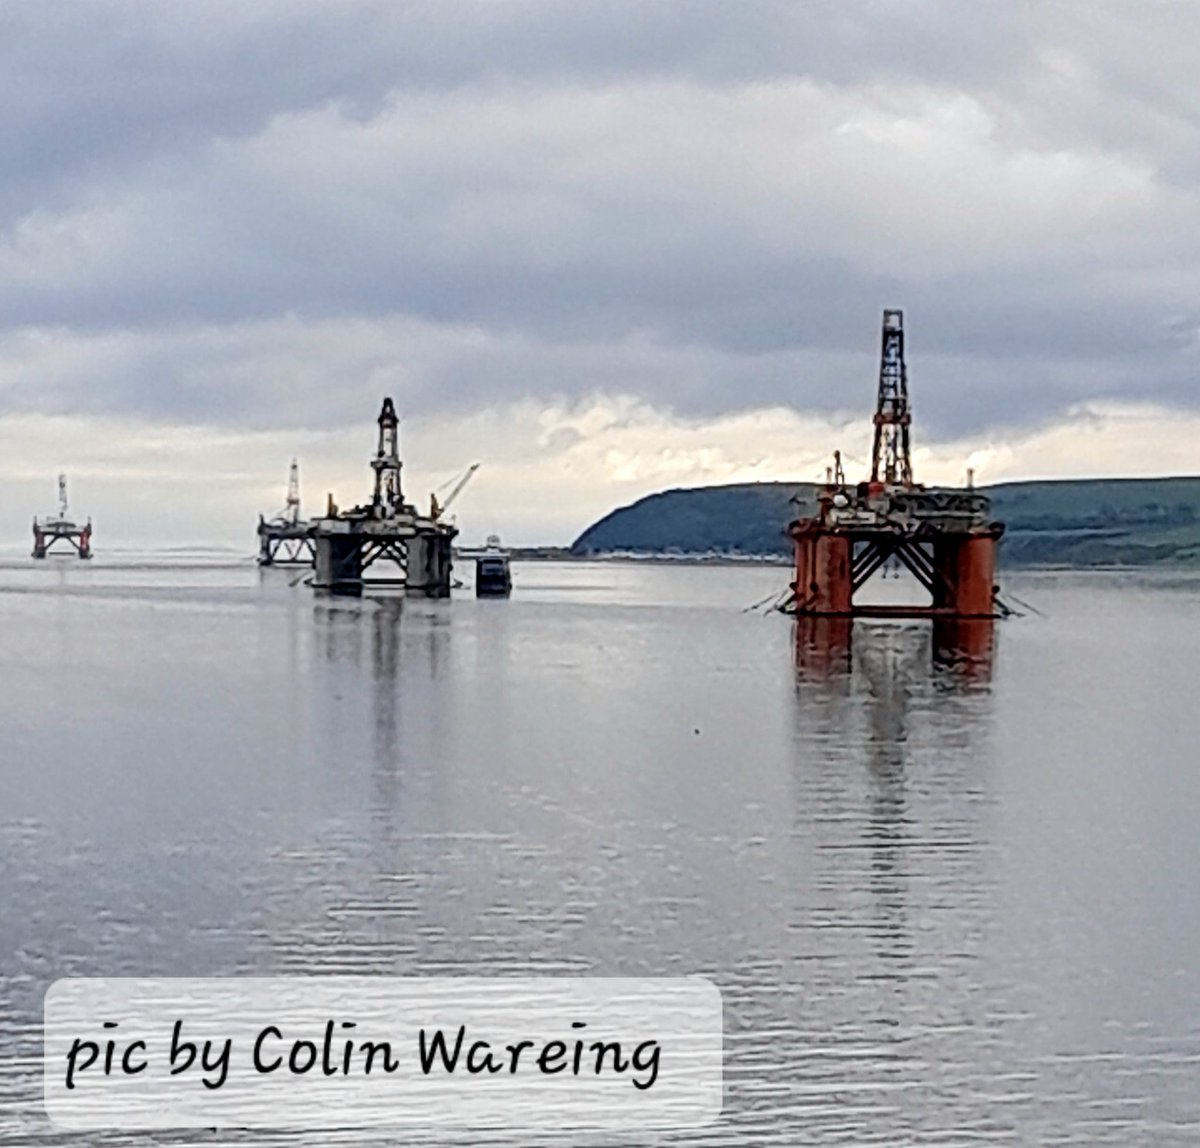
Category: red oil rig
[945,538]
[48,532]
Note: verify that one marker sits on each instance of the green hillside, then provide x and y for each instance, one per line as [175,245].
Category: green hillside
[1086,522]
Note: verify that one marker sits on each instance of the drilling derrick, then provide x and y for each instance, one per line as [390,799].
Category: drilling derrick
[891,460]
[945,538]
[388,500]
[291,510]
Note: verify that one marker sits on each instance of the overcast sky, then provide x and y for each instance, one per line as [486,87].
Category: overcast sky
[603,248]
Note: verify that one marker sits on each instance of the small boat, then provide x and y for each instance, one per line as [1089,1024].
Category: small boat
[492,576]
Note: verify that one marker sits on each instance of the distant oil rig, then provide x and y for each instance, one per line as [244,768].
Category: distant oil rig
[49,532]
[286,539]
[945,538]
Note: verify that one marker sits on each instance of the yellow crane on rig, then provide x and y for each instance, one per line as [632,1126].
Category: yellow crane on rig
[437,509]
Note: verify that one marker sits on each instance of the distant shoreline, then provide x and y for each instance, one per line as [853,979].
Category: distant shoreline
[783,561]
[552,554]
[1068,524]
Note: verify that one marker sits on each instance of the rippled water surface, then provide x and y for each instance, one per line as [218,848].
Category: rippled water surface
[945,904]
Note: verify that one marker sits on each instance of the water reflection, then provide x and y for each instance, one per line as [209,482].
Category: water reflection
[822,648]
[965,648]
[962,649]
[891,722]
[943,901]
[339,631]
[387,700]
[388,705]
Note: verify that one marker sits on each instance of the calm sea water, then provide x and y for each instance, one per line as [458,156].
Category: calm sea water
[944,905]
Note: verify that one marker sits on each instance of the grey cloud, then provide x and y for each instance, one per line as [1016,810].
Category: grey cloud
[89,88]
[262,214]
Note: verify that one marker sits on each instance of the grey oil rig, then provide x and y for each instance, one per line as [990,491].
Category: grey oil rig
[287,539]
[49,532]
[387,542]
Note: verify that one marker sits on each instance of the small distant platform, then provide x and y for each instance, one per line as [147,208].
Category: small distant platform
[60,531]
[287,539]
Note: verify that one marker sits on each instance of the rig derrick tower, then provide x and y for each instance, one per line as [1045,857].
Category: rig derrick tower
[291,508]
[388,499]
[891,457]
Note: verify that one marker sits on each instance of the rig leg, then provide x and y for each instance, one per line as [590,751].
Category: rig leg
[823,578]
[965,646]
[967,566]
[822,648]
[339,568]
[429,565]
[266,551]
